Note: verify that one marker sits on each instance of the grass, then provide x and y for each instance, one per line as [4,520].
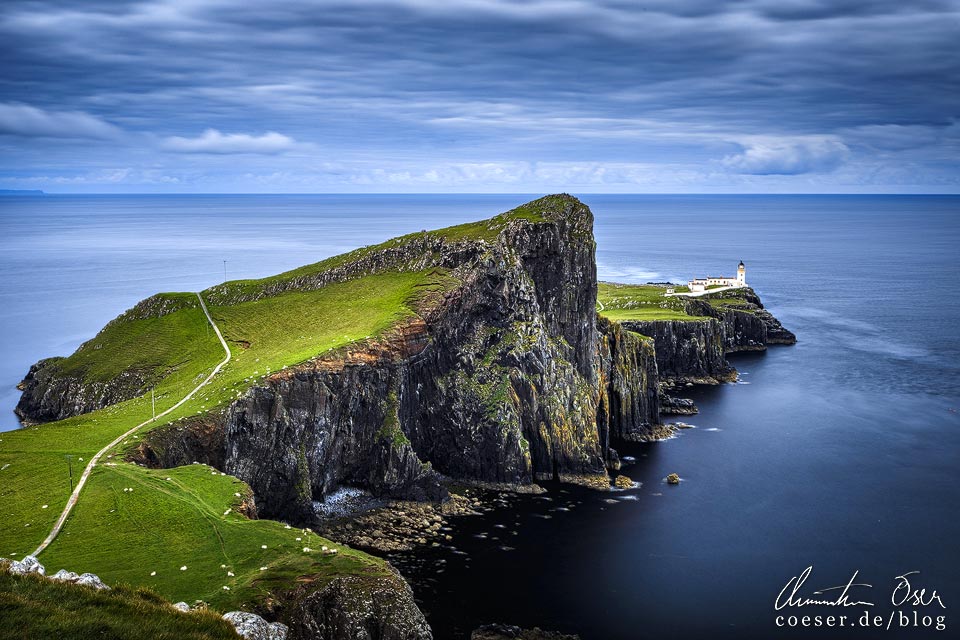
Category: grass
[265,336]
[191,521]
[154,347]
[731,299]
[44,609]
[640,302]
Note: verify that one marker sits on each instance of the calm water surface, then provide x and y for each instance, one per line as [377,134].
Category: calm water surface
[839,452]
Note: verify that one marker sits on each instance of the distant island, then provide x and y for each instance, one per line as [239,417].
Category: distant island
[21,192]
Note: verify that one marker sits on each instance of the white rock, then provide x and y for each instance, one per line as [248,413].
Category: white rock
[253,627]
[183,568]
[182,606]
[65,576]
[29,564]
[90,580]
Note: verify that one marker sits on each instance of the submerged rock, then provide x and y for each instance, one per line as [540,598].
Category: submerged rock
[511,632]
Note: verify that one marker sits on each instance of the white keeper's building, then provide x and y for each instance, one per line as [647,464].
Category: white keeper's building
[698,285]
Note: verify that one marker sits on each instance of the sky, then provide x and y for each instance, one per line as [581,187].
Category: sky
[521,96]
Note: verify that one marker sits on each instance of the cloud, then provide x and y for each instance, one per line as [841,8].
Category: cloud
[896,137]
[31,122]
[772,156]
[212,141]
[477,92]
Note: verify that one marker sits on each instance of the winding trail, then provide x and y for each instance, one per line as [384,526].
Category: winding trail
[96,458]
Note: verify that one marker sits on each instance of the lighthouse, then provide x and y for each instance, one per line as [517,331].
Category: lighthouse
[741,274]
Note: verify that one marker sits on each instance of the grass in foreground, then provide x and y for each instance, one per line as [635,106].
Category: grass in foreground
[36,608]
[640,302]
[142,526]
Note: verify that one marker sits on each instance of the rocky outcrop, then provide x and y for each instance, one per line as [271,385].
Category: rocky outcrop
[511,632]
[694,351]
[195,439]
[30,565]
[50,394]
[747,325]
[504,380]
[252,627]
[356,607]
[688,350]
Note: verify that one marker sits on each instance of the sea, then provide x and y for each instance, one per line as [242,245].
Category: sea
[839,453]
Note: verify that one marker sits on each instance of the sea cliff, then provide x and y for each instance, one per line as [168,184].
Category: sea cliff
[488,364]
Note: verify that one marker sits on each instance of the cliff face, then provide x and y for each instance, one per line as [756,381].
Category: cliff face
[629,407]
[500,382]
[49,394]
[695,350]
[688,350]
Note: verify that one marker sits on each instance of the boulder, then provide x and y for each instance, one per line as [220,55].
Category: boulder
[673,479]
[28,565]
[253,627]
[182,606]
[65,576]
[91,580]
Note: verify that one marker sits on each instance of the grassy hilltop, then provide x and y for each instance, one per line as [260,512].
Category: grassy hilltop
[140,526]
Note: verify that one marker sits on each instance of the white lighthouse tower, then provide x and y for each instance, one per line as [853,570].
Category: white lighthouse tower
[741,275]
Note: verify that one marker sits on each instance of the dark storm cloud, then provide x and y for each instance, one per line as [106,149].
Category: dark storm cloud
[758,87]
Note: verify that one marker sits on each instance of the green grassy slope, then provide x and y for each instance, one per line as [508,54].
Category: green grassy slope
[265,336]
[187,517]
[174,344]
[45,609]
[640,302]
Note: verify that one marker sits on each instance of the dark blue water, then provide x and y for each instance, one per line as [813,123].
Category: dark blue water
[839,452]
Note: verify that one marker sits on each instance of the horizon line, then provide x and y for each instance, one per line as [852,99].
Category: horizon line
[41,192]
